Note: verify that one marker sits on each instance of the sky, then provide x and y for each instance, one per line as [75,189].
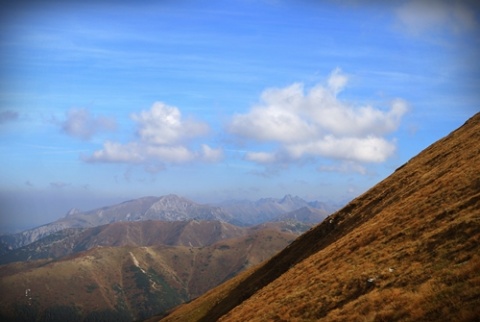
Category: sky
[107,101]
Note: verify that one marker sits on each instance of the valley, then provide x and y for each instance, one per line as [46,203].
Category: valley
[152,255]
[132,281]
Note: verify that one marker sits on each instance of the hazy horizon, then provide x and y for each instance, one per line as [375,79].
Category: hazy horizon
[102,102]
[51,208]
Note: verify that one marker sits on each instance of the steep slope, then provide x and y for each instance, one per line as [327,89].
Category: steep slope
[127,283]
[408,249]
[143,233]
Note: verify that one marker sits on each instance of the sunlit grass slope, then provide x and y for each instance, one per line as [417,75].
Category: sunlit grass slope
[406,250]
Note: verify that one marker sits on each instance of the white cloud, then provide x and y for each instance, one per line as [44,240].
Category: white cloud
[261,157]
[118,152]
[361,149]
[163,124]
[422,16]
[169,153]
[162,135]
[274,121]
[81,124]
[337,81]
[211,155]
[318,124]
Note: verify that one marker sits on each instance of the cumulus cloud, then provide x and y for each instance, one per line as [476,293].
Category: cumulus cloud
[163,124]
[81,124]
[422,16]
[162,136]
[118,152]
[316,123]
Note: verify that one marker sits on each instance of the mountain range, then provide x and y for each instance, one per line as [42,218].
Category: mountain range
[144,256]
[406,250]
[192,233]
[170,208]
[268,209]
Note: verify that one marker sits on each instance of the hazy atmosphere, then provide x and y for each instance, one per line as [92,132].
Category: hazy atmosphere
[105,101]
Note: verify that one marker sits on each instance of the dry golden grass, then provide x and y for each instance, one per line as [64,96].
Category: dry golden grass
[407,250]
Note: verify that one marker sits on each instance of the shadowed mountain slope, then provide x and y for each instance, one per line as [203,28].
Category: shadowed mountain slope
[407,249]
[122,281]
[191,233]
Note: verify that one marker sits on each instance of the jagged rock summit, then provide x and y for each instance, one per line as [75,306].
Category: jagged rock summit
[407,249]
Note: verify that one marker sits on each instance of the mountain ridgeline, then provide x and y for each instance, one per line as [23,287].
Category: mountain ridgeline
[191,233]
[269,209]
[138,258]
[406,250]
[174,208]
[135,234]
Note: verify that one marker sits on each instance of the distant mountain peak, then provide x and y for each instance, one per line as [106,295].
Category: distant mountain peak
[286,198]
[289,198]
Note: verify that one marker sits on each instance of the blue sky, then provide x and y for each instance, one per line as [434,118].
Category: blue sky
[104,101]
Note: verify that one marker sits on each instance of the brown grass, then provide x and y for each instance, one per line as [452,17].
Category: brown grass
[407,250]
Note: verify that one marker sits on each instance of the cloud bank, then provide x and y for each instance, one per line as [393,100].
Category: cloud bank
[162,136]
[288,125]
[316,123]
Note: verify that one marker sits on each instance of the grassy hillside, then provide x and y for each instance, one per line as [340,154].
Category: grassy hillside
[406,250]
[127,283]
